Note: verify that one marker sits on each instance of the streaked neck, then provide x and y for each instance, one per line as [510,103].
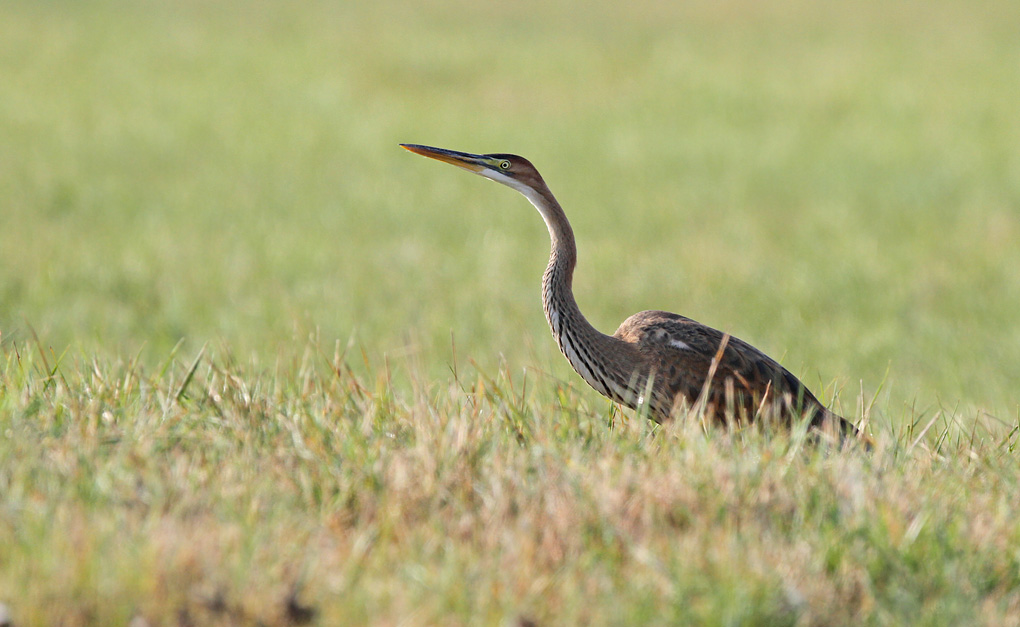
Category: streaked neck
[606,363]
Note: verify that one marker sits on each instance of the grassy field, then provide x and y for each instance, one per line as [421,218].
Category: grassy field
[261,366]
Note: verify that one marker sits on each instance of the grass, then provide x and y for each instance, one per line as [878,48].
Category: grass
[200,199]
[223,494]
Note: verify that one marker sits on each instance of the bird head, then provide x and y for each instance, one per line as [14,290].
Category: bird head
[510,170]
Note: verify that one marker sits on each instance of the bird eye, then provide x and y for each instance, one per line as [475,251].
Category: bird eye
[504,165]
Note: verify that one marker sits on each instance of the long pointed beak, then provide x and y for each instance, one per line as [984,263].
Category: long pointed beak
[465,160]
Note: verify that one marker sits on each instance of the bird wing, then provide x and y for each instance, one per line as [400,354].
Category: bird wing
[680,352]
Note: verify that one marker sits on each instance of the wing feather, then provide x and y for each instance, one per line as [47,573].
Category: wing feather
[680,352]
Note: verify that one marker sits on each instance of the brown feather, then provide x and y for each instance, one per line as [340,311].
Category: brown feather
[678,354]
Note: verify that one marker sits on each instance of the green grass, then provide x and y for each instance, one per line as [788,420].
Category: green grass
[837,183]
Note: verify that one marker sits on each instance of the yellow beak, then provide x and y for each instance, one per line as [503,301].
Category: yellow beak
[465,160]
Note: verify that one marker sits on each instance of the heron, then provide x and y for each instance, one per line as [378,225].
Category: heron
[656,362]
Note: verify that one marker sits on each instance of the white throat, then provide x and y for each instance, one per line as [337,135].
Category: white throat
[533,197]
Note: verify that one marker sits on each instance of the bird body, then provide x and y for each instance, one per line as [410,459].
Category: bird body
[656,360]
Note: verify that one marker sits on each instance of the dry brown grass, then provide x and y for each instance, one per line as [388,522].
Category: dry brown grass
[312,494]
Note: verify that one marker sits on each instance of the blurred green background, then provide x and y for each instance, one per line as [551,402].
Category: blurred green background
[838,183]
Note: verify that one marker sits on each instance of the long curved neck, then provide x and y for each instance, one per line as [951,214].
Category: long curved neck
[561,310]
[606,363]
